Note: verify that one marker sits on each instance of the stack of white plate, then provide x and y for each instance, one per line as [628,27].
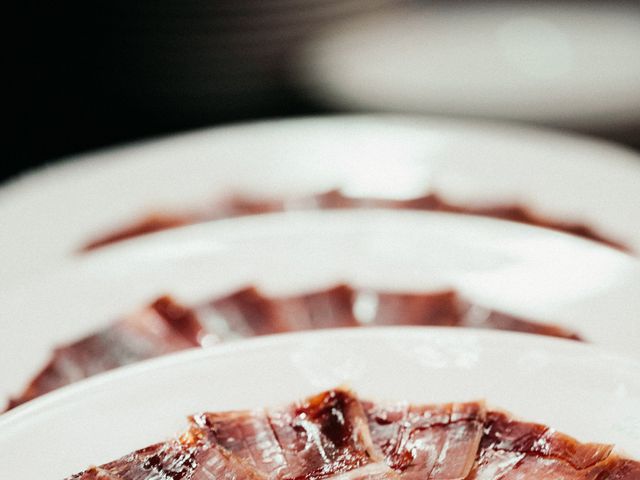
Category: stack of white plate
[569,64]
[562,177]
[52,295]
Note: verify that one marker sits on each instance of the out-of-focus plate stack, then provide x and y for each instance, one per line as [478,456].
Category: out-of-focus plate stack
[567,64]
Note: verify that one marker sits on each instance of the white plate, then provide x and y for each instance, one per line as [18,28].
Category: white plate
[48,215]
[531,272]
[578,389]
[561,63]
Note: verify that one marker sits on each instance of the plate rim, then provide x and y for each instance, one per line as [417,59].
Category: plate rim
[65,165]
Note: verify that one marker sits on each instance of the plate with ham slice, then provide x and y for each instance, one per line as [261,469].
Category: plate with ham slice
[585,187]
[378,403]
[217,283]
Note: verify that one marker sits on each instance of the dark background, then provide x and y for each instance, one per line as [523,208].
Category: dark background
[91,74]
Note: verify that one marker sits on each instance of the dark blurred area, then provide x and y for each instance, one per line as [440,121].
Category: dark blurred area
[92,74]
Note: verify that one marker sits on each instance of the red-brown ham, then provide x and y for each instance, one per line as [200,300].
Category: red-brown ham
[187,458]
[448,309]
[334,435]
[321,437]
[334,199]
[163,327]
[166,326]
[424,442]
[513,450]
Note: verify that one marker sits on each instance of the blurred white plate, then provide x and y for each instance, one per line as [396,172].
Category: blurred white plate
[531,272]
[580,390]
[573,64]
[48,215]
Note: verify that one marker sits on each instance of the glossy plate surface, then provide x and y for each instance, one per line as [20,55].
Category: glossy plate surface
[49,215]
[530,272]
[579,389]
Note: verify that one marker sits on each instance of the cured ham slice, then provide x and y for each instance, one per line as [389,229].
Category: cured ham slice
[449,310]
[244,313]
[517,213]
[479,317]
[249,313]
[248,435]
[437,309]
[188,458]
[238,206]
[149,224]
[325,435]
[161,328]
[511,212]
[324,309]
[428,441]
[614,468]
[515,450]
[321,437]
[334,435]
[334,199]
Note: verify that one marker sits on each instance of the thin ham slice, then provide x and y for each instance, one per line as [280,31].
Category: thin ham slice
[335,199]
[237,206]
[479,317]
[330,308]
[163,327]
[248,435]
[187,458]
[615,468]
[437,309]
[428,441]
[150,224]
[448,309]
[244,313]
[322,437]
[334,435]
[514,450]
[248,312]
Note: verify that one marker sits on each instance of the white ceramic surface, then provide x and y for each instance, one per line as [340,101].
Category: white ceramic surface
[48,215]
[527,271]
[578,389]
[572,64]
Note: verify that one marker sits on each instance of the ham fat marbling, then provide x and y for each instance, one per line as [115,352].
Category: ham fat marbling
[335,435]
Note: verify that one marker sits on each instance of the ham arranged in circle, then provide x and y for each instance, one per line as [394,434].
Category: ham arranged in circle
[166,326]
[335,199]
[335,435]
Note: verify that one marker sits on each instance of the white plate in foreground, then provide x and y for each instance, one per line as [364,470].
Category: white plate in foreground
[578,389]
[530,272]
[49,215]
